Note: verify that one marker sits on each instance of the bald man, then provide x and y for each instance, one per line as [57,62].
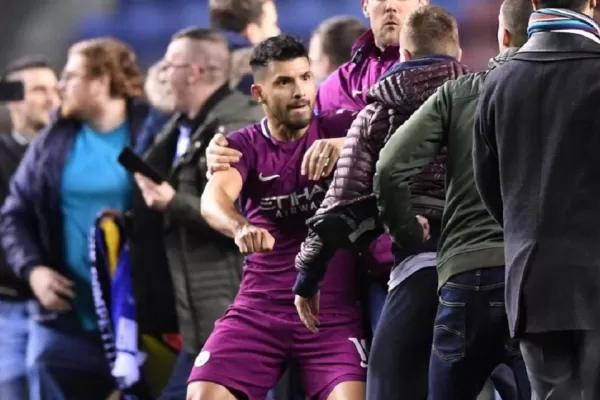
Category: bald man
[205,266]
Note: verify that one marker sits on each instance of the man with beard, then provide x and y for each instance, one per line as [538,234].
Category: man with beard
[68,175]
[261,331]
[470,257]
[399,358]
[372,55]
[28,117]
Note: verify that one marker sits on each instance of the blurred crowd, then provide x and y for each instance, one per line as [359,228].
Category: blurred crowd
[114,268]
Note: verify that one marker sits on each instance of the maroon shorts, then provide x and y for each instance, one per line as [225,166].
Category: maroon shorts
[248,348]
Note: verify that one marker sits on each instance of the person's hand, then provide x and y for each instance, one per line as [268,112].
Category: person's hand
[156,196]
[219,157]
[308,310]
[51,288]
[425,225]
[320,159]
[251,239]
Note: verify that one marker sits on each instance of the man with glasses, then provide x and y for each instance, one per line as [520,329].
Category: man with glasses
[205,266]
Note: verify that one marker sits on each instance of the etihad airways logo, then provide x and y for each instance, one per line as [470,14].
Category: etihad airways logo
[302,203]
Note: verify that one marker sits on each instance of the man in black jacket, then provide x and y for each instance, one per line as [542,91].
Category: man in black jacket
[537,169]
[205,266]
[28,117]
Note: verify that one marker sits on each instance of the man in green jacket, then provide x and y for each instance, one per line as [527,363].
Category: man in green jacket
[471,335]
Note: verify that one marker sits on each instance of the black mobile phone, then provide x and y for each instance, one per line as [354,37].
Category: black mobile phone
[134,164]
[11,91]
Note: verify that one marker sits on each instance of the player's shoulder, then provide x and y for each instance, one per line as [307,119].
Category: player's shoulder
[248,136]
[336,119]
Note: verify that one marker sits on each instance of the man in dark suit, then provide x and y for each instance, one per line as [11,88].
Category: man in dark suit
[537,168]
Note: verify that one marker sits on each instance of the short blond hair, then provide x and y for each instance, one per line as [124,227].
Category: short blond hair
[430,30]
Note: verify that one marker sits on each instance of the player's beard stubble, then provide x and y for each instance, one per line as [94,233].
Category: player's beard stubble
[293,116]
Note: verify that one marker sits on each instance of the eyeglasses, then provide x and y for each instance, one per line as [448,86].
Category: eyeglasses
[166,65]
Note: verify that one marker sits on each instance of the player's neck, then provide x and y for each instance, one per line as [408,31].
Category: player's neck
[283,133]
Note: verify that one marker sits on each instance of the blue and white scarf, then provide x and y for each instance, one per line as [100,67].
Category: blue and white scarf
[561,20]
[112,288]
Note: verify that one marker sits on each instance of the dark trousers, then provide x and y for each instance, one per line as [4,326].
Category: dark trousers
[471,337]
[563,365]
[399,357]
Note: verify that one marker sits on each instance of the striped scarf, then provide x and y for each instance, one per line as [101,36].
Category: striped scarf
[561,20]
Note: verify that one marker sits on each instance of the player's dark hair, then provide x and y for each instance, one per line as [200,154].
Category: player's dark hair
[338,35]
[515,14]
[23,64]
[277,48]
[574,5]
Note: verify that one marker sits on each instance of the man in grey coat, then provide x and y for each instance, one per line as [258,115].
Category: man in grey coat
[205,266]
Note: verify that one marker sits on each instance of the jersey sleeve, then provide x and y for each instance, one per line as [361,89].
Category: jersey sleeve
[336,123]
[243,142]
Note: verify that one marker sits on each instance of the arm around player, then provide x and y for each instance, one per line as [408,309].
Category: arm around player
[219,209]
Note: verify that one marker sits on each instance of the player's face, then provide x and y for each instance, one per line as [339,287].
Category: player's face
[288,92]
[386,18]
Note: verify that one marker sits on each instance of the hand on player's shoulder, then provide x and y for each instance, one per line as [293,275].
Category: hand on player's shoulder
[252,239]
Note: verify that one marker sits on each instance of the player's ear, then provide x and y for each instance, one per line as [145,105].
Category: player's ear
[256,92]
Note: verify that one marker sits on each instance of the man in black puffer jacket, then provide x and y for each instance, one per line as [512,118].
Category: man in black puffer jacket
[430,58]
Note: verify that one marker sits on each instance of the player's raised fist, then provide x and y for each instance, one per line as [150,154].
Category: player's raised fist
[251,239]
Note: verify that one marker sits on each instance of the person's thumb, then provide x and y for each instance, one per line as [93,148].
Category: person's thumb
[220,139]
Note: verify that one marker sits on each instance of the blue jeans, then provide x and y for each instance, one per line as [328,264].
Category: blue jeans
[377,296]
[65,365]
[14,333]
[471,337]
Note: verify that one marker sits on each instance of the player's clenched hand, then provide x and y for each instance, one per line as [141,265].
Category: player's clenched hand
[219,157]
[251,239]
[308,310]
[425,225]
[320,159]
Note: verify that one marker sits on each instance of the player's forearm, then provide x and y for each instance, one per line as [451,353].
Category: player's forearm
[221,214]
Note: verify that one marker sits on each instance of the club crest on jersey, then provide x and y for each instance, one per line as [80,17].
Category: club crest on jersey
[202,358]
[303,202]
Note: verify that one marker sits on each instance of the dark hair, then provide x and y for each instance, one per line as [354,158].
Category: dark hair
[23,64]
[431,30]
[515,14]
[277,48]
[235,15]
[574,5]
[338,35]
[200,34]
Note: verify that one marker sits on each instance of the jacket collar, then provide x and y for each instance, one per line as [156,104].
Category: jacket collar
[503,57]
[559,42]
[210,104]
[416,62]
[365,47]
[236,41]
